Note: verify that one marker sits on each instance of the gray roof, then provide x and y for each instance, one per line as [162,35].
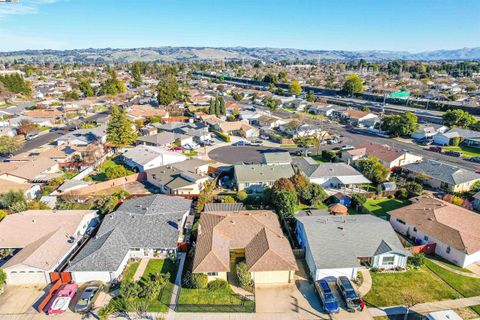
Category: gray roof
[162,138]
[277,157]
[463,133]
[442,172]
[145,222]
[304,165]
[262,172]
[190,165]
[338,242]
[144,154]
[86,135]
[222,207]
[319,170]
[477,195]
[172,177]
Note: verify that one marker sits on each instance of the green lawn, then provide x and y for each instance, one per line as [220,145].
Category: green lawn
[468,152]
[449,264]
[468,287]
[162,266]
[130,271]
[191,154]
[381,207]
[319,159]
[111,163]
[213,301]
[288,146]
[388,289]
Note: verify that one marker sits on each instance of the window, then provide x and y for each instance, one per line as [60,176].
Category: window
[425,238]
[212,274]
[400,221]
[388,261]
[414,229]
[448,249]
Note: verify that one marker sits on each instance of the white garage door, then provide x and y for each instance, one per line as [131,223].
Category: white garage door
[26,277]
[271,277]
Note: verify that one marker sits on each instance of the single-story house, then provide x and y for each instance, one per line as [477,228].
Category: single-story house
[165,139]
[36,169]
[148,226]
[275,158]
[330,175]
[42,241]
[30,190]
[84,137]
[255,177]
[336,245]
[468,137]
[427,131]
[254,236]
[172,180]
[440,175]
[388,156]
[143,158]
[454,230]
[359,118]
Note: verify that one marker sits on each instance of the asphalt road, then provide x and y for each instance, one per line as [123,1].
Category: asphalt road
[49,136]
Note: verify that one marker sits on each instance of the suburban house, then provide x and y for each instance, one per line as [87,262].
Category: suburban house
[165,139]
[337,246]
[84,137]
[467,137]
[269,122]
[359,118]
[255,177]
[38,169]
[142,227]
[184,179]
[41,240]
[141,112]
[427,131]
[442,176]
[254,236]
[388,156]
[30,190]
[142,158]
[330,175]
[327,110]
[295,129]
[239,128]
[452,229]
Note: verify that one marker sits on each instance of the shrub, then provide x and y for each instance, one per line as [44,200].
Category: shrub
[242,196]
[199,281]
[455,141]
[358,200]
[3,278]
[115,172]
[328,155]
[218,284]
[228,199]
[417,260]
[222,136]
[414,189]
[244,277]
[401,194]
[3,214]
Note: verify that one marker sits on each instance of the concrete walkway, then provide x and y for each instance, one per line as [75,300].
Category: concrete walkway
[176,287]
[462,273]
[427,307]
[367,282]
[141,269]
[475,268]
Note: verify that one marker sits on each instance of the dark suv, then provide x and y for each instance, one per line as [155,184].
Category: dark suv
[329,302]
[348,293]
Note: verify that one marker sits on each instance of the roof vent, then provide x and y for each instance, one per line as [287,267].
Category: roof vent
[340,228]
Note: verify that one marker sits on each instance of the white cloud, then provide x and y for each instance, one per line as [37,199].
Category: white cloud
[23,7]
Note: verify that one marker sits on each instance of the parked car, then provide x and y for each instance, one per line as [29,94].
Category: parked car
[264,137]
[255,143]
[240,143]
[348,293]
[424,142]
[453,153]
[435,149]
[347,147]
[87,299]
[32,136]
[328,300]
[191,146]
[61,299]
[475,159]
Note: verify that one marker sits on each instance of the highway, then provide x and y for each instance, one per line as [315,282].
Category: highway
[352,137]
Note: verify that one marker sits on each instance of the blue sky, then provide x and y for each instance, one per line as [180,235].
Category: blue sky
[405,25]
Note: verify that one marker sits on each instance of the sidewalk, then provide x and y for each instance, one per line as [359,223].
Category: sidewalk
[465,274]
[367,282]
[141,269]
[427,307]
[176,288]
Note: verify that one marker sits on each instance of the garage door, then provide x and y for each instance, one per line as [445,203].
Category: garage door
[26,277]
[271,277]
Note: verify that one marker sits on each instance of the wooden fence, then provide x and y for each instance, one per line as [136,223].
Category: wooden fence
[119,182]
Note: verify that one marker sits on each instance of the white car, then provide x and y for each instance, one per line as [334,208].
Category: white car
[347,147]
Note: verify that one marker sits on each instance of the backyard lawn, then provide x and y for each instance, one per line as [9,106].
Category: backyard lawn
[389,289]
[468,287]
[381,207]
[111,163]
[468,152]
[130,271]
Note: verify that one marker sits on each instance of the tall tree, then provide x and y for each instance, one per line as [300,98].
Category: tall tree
[400,125]
[167,91]
[353,84]
[222,105]
[211,109]
[458,118]
[120,129]
[9,145]
[310,96]
[86,88]
[374,170]
[295,88]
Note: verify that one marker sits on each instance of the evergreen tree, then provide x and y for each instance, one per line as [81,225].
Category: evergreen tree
[217,107]
[222,105]
[86,88]
[211,110]
[120,129]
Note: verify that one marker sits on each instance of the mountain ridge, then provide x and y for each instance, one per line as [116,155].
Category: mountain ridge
[172,54]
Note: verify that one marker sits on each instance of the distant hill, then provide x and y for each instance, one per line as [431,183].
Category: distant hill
[166,54]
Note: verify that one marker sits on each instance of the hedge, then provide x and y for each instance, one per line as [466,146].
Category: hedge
[222,136]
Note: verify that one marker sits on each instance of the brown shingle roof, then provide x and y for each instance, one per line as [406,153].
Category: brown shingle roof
[258,232]
[381,151]
[448,223]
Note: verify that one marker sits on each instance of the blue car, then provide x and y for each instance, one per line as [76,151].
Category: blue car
[329,302]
